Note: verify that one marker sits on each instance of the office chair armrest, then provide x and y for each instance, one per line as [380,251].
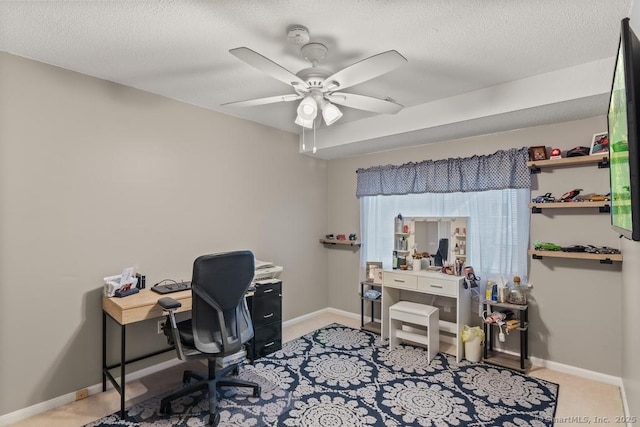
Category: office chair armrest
[169,304]
[171,328]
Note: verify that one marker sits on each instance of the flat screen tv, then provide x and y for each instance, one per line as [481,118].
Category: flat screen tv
[624,143]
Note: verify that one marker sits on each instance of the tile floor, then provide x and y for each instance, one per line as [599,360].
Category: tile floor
[578,397]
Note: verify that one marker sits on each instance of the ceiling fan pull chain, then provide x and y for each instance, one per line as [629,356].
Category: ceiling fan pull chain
[314,136]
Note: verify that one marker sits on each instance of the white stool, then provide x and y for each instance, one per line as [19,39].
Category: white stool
[418,314]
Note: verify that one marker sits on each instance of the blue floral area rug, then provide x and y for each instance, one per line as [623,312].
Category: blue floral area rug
[339,376]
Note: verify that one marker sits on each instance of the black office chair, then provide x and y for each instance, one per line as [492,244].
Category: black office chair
[219,327]
[441,254]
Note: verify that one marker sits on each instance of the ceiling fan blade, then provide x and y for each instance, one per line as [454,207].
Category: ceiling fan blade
[263,101]
[266,65]
[364,70]
[367,103]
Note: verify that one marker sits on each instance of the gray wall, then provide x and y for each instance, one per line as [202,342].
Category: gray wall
[95,177]
[570,297]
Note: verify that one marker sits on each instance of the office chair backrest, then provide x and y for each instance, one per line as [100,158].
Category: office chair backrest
[441,254]
[220,318]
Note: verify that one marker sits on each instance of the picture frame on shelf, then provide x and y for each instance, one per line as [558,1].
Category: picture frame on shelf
[377,272]
[370,273]
[538,153]
[599,143]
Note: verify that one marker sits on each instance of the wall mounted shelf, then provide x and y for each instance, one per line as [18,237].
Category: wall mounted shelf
[603,206]
[336,242]
[603,258]
[602,160]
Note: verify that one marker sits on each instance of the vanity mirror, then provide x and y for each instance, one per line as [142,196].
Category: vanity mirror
[444,239]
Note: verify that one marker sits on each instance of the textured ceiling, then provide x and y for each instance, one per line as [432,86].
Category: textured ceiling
[478,64]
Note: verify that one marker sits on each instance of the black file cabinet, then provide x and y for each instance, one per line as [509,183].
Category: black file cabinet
[265,307]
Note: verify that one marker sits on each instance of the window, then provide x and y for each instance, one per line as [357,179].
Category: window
[497,229]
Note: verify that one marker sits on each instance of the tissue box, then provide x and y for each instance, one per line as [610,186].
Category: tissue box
[112,284]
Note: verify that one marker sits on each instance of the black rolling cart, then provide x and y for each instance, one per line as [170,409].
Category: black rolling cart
[372,325]
[521,362]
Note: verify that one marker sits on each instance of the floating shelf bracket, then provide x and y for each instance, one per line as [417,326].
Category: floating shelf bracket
[606,261]
[536,256]
[604,163]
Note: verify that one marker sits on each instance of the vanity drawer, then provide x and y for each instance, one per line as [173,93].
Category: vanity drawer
[399,280]
[438,286]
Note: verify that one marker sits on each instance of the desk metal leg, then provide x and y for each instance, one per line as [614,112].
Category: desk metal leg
[123,341]
[361,306]
[104,351]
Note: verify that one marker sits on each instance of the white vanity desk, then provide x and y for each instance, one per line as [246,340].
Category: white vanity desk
[428,284]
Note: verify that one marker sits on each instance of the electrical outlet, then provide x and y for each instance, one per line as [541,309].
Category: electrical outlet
[81,394]
[160,327]
[447,309]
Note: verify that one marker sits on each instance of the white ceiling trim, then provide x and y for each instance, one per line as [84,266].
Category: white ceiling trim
[574,83]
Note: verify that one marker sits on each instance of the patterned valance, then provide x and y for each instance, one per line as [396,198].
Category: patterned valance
[498,171]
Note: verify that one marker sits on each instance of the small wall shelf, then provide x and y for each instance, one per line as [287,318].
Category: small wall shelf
[602,160]
[335,242]
[603,258]
[603,207]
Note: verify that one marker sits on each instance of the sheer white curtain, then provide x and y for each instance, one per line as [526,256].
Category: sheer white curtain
[497,226]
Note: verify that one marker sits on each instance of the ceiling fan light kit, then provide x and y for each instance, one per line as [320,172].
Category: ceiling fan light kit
[304,123]
[330,113]
[316,86]
[308,108]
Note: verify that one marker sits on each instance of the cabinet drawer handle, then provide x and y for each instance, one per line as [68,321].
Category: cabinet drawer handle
[398,280]
[266,291]
[266,316]
[270,344]
[436,286]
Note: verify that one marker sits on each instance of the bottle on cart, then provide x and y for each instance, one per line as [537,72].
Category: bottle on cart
[517,295]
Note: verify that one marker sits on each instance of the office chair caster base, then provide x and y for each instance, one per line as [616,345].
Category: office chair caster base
[165,409]
[186,377]
[214,419]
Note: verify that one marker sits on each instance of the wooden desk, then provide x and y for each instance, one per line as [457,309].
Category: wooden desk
[132,309]
[432,284]
[125,311]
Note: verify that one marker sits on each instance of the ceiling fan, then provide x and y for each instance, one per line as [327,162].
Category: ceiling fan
[317,88]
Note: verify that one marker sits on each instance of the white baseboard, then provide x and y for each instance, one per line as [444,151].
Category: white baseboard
[625,404]
[304,317]
[21,414]
[342,313]
[578,372]
[56,402]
